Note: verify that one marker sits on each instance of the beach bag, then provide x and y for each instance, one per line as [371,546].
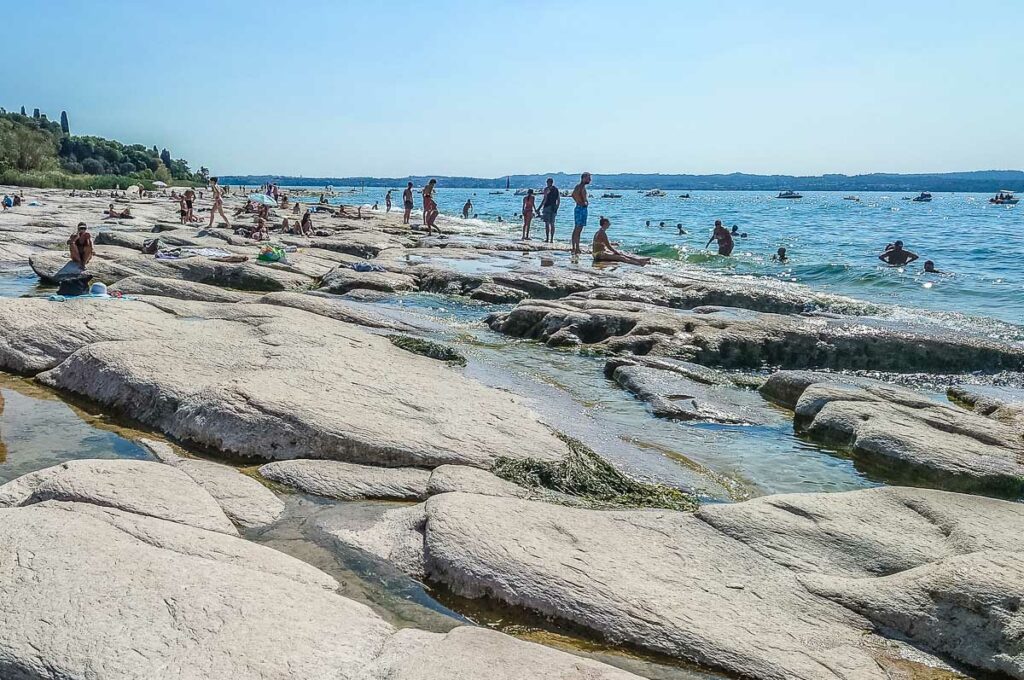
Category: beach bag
[272,254]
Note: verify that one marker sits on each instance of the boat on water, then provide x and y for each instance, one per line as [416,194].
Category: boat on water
[654,193]
[684,195]
[1004,197]
[851,198]
[565,193]
[925,197]
[521,192]
[611,195]
[497,193]
[789,194]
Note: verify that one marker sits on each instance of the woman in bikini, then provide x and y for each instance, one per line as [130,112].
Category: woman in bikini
[80,245]
[218,203]
[724,238]
[529,203]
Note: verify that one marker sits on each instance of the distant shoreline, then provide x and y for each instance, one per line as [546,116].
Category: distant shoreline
[981,181]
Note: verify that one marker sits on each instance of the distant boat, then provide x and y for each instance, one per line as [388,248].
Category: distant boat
[789,194]
[565,193]
[522,192]
[611,195]
[925,197]
[654,193]
[508,182]
[851,198]
[1004,197]
[684,195]
[497,193]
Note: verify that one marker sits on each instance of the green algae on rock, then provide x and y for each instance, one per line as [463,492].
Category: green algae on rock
[585,475]
[427,348]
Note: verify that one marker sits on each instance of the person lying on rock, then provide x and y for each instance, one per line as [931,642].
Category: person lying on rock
[124,214]
[80,245]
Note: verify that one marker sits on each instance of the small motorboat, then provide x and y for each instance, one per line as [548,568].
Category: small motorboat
[925,197]
[654,193]
[497,193]
[611,195]
[851,198]
[789,194]
[1004,197]
[684,195]
[565,193]
[521,192]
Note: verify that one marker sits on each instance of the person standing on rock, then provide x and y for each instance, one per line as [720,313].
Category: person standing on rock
[407,203]
[80,245]
[529,207]
[387,201]
[549,209]
[579,195]
[218,203]
[190,197]
[430,206]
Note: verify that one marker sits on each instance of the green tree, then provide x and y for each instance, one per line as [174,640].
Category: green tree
[165,156]
[64,126]
[23,111]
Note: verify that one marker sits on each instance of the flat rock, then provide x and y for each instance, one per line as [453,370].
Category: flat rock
[244,500]
[471,653]
[83,597]
[334,308]
[738,338]
[785,387]
[664,581]
[176,288]
[344,279]
[141,487]
[872,532]
[673,395]
[348,481]
[452,478]
[268,381]
[967,606]
[896,432]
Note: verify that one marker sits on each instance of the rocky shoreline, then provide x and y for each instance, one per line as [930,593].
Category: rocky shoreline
[122,569]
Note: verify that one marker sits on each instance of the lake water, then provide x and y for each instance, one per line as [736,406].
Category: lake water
[833,243]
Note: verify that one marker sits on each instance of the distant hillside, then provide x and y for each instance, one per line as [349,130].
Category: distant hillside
[976,181]
[37,151]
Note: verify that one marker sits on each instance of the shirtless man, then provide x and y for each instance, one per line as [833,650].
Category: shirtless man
[896,256]
[218,203]
[190,197]
[579,214]
[387,201]
[724,238]
[604,251]
[80,245]
[407,203]
[468,208]
[529,206]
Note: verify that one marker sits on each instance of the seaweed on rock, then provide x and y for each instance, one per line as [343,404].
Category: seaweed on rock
[427,348]
[586,476]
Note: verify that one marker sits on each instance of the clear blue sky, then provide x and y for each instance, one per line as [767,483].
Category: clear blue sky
[487,88]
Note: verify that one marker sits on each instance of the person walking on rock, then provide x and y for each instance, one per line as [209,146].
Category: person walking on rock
[549,210]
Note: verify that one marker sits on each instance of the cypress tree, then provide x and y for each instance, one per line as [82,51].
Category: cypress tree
[165,156]
[64,127]
[35,113]
[23,111]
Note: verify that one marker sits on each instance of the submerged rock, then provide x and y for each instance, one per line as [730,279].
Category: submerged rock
[672,395]
[268,381]
[347,481]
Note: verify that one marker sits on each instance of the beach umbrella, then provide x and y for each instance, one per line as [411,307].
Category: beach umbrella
[160,184]
[264,199]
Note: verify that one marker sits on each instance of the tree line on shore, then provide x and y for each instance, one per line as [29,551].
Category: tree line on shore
[37,151]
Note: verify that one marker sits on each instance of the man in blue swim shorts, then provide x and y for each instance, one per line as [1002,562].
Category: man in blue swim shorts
[579,195]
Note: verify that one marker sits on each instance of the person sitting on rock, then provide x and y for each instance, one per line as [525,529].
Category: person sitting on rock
[603,250]
[112,213]
[305,227]
[80,245]
[295,209]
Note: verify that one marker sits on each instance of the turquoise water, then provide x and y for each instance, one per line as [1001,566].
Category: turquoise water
[833,243]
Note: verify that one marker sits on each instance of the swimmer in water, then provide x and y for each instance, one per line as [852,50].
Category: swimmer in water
[897,256]
[724,238]
[929,267]
[780,256]
[680,228]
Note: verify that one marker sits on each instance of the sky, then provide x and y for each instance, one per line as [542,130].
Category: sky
[489,88]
